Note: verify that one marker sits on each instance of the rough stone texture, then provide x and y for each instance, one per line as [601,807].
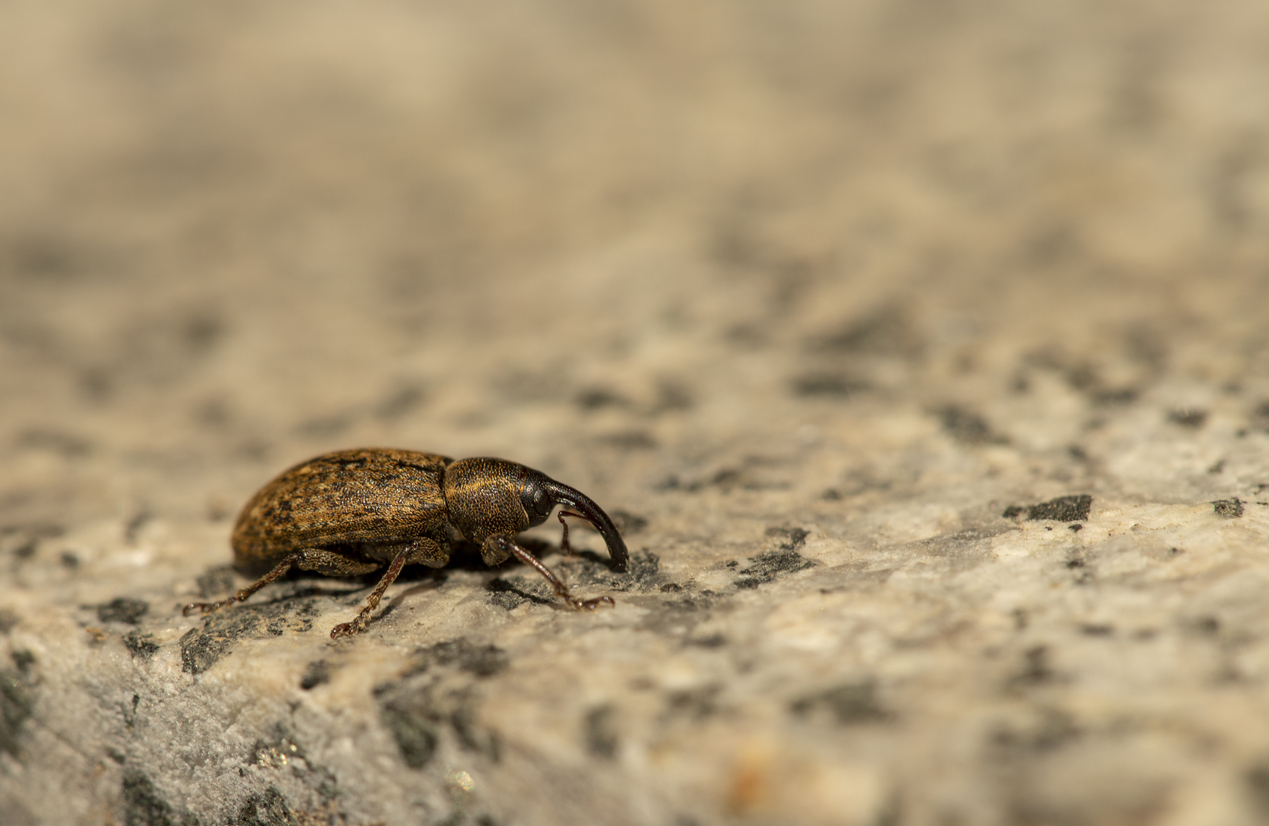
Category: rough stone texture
[921,350]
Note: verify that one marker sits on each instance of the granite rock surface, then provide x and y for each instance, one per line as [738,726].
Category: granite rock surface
[919,350]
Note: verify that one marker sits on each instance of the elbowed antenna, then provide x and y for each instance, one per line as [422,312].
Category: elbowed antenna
[583,504]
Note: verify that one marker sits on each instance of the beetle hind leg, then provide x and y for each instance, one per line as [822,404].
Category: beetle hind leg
[207,607]
[328,563]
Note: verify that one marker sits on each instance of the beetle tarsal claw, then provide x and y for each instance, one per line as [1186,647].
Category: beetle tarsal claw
[590,604]
[348,629]
[206,607]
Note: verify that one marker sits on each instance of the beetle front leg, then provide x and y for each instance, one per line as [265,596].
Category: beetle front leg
[503,546]
[565,548]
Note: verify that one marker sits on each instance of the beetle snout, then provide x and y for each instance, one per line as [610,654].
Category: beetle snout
[579,502]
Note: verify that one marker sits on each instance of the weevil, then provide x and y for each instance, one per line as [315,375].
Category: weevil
[352,512]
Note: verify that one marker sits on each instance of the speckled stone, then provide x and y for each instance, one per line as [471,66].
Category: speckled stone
[921,352]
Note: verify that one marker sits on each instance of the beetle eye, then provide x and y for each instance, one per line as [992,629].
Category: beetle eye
[538,502]
[542,503]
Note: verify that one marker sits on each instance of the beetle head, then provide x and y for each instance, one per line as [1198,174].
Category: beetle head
[493,496]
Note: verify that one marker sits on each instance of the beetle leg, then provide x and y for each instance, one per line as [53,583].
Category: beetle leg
[347,629]
[328,563]
[278,570]
[564,546]
[506,544]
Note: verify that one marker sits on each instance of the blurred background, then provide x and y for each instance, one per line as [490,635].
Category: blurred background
[881,268]
[252,232]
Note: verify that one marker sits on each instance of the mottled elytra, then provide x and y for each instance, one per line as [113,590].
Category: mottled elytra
[354,511]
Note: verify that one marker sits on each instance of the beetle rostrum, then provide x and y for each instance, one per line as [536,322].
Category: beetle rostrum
[352,512]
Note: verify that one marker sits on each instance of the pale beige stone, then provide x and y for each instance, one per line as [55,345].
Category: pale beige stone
[824,300]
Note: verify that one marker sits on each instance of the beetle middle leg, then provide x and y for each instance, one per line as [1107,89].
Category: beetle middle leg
[500,547]
[347,629]
[329,563]
[422,551]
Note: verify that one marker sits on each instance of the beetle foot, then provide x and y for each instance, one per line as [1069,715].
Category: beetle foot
[206,607]
[588,604]
[348,629]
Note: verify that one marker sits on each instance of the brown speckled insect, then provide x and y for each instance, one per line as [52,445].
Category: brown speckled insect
[353,511]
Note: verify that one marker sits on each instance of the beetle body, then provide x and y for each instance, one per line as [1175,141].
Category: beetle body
[355,502]
[352,512]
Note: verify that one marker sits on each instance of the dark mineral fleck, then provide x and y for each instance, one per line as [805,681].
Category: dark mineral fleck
[140,645]
[123,609]
[1061,509]
[1228,508]
[849,704]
